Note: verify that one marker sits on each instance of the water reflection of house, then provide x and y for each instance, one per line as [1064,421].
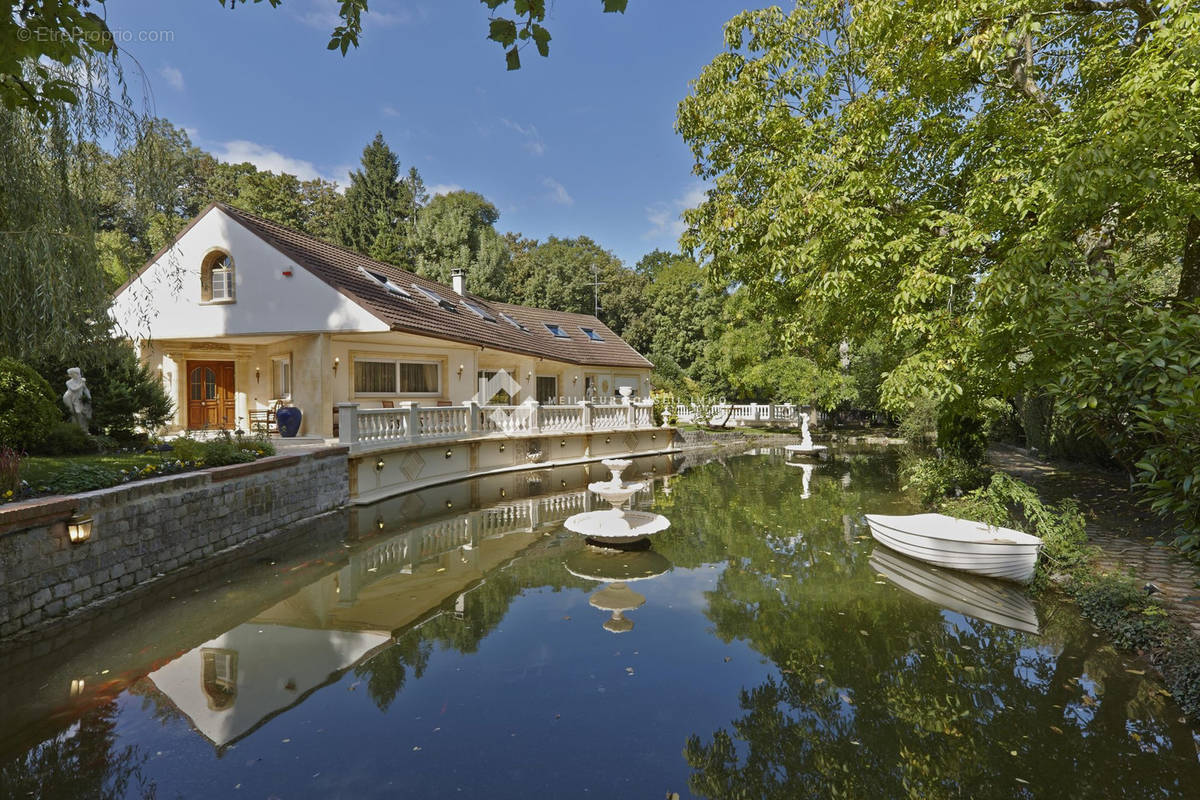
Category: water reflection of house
[230,685]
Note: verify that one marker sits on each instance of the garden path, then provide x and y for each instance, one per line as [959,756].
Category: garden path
[1128,536]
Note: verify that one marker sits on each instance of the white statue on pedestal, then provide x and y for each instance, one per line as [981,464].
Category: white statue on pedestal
[806,437]
[78,399]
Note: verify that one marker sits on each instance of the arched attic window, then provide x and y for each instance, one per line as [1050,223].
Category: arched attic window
[216,278]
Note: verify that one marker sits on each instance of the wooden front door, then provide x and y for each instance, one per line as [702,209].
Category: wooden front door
[211,402]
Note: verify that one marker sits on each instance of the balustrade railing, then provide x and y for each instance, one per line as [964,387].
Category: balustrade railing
[744,413]
[408,422]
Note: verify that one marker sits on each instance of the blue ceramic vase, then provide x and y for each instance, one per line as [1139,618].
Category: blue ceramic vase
[287,419]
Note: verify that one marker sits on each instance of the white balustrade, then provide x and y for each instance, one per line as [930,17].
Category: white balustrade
[408,422]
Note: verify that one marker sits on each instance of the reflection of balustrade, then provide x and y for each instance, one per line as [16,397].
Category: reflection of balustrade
[400,554]
[408,422]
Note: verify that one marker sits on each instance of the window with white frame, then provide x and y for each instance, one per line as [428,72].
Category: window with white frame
[557,330]
[281,377]
[216,277]
[389,377]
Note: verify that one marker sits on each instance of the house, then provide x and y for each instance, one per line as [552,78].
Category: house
[240,314]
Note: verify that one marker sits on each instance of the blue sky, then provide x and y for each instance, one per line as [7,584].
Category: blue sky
[581,142]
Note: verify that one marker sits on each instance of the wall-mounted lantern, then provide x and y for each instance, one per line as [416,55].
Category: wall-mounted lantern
[79,529]
[336,362]
[379,465]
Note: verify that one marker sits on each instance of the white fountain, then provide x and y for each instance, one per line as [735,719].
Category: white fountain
[806,446]
[618,526]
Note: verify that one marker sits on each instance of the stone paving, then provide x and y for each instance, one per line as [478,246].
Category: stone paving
[1128,536]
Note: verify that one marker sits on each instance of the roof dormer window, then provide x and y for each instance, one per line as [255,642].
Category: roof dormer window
[557,330]
[387,283]
[479,310]
[216,278]
[436,298]
[512,321]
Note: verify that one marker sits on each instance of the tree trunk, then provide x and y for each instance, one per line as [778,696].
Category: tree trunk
[1189,276]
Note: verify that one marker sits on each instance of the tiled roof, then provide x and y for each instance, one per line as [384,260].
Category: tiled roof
[343,269]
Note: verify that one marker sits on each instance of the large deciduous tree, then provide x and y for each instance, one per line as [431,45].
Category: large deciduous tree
[457,231]
[948,174]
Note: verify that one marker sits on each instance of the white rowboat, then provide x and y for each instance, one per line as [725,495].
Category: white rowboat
[959,544]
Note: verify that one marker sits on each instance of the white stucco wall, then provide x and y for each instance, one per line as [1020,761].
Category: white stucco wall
[164,302]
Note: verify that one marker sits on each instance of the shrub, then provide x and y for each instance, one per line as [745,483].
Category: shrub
[1011,503]
[1130,616]
[125,396]
[185,448]
[222,452]
[1184,676]
[225,449]
[918,423]
[961,435]
[934,479]
[1134,386]
[67,439]
[83,478]
[28,409]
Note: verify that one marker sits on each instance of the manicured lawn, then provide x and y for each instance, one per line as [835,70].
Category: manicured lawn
[39,470]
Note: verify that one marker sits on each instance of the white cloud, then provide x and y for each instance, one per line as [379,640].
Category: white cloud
[323,15]
[390,111]
[533,140]
[664,216]
[558,192]
[265,158]
[444,188]
[173,77]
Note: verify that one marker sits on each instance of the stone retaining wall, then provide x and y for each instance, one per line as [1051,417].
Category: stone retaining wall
[142,531]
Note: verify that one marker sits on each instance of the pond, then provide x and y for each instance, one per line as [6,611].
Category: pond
[459,642]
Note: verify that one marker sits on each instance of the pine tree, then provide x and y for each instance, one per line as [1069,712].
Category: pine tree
[374,218]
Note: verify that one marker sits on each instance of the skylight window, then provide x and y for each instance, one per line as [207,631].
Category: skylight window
[479,311]
[436,298]
[591,334]
[557,330]
[513,322]
[387,283]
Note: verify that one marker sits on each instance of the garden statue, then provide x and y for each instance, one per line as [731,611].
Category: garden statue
[78,399]
[806,437]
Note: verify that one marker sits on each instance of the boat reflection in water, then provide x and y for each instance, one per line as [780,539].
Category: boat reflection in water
[993,601]
[407,561]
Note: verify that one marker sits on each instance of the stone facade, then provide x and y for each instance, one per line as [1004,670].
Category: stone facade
[142,531]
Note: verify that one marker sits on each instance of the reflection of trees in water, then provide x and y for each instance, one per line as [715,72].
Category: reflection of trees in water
[878,696]
[82,761]
[485,607]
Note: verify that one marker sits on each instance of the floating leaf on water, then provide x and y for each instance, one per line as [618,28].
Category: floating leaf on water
[1012,752]
[416,747]
[882,583]
[1021,780]
[786,575]
[1136,671]
[1056,729]
[818,681]
[864,633]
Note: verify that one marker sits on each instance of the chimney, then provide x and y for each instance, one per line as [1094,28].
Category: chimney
[459,279]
